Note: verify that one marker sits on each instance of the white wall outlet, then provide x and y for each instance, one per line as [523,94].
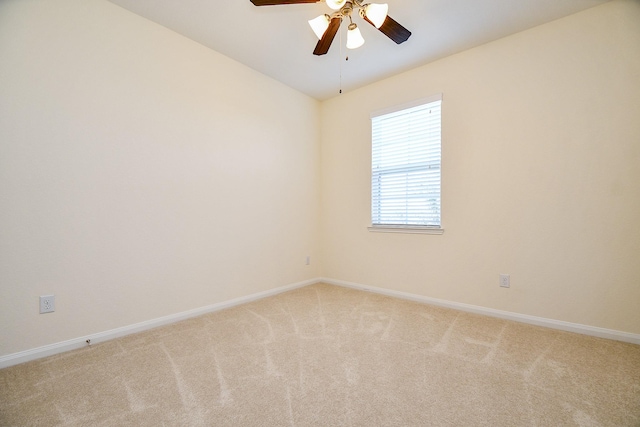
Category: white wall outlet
[47,304]
[308,260]
[505,281]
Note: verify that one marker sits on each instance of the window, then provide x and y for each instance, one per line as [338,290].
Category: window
[405,168]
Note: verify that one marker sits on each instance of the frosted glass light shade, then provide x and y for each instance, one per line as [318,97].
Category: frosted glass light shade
[319,25]
[354,38]
[335,4]
[377,13]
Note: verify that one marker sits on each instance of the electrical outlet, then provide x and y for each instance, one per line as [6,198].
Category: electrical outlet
[308,260]
[47,304]
[505,281]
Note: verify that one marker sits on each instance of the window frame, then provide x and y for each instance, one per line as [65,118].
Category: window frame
[405,228]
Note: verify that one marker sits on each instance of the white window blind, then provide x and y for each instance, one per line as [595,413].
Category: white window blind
[405,169]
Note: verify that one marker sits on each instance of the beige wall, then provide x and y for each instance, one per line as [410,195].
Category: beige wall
[541,175]
[141,174]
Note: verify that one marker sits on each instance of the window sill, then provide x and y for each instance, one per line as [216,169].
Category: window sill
[405,229]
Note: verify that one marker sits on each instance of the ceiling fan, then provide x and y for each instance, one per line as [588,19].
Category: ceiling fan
[326,26]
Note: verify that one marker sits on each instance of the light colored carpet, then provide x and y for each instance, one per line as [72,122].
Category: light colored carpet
[330,356]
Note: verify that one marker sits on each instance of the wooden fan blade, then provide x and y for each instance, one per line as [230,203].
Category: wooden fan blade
[277,2]
[325,42]
[393,30]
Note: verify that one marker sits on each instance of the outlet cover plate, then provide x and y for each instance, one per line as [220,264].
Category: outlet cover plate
[47,304]
[505,281]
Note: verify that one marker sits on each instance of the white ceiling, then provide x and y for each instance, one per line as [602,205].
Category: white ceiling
[278,42]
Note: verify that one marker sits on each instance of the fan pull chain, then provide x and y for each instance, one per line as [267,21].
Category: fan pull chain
[340,62]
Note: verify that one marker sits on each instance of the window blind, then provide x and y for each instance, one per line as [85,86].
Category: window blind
[405,166]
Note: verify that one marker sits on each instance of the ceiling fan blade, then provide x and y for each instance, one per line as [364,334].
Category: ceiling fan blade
[277,2]
[325,42]
[393,30]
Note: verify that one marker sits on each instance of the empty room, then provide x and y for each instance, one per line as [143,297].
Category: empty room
[319,213]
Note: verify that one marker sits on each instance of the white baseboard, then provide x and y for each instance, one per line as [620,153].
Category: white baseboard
[72,344]
[522,318]
[60,347]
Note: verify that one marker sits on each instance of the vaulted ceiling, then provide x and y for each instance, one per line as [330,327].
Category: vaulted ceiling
[277,40]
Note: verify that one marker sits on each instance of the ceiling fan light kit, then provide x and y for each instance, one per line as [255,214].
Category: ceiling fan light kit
[319,25]
[326,26]
[354,37]
[336,4]
[376,13]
